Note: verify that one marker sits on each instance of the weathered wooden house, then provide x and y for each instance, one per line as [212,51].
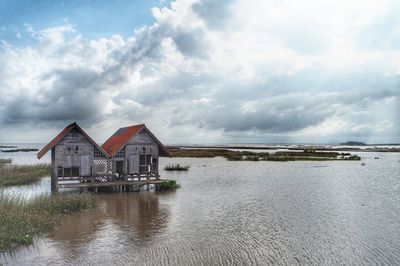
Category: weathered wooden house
[129,155]
[134,151]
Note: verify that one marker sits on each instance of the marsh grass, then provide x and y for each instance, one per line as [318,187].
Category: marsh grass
[200,153]
[5,161]
[168,184]
[21,220]
[305,155]
[14,175]
[176,167]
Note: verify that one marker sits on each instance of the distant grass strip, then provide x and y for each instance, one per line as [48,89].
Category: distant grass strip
[19,150]
[176,167]
[15,175]
[168,184]
[21,220]
[305,155]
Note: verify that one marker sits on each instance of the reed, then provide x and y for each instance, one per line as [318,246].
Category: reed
[15,175]
[21,220]
[176,167]
[4,161]
[168,184]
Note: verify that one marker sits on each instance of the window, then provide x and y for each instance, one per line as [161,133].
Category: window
[67,172]
[75,171]
[154,164]
[73,149]
[59,171]
[148,159]
[71,172]
[142,159]
[145,161]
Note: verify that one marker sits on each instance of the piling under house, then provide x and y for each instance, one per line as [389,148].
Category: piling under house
[130,155]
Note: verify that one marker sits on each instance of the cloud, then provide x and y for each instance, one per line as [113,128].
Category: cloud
[217,71]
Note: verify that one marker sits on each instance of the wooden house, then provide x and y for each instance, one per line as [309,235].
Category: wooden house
[130,154]
[135,151]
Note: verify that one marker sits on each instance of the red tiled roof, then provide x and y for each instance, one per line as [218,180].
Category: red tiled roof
[122,135]
[61,135]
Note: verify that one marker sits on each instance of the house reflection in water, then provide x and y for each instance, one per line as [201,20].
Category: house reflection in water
[119,219]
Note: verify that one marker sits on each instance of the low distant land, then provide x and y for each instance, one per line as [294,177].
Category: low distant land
[300,147]
[11,149]
[354,146]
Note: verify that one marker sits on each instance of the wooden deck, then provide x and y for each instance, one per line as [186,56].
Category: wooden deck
[110,183]
[121,183]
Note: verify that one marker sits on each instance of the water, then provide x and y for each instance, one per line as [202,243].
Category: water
[24,157]
[240,213]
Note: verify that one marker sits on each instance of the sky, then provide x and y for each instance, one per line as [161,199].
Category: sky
[202,71]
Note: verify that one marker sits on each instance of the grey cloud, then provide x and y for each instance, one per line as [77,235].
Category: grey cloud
[214,12]
[73,96]
[191,43]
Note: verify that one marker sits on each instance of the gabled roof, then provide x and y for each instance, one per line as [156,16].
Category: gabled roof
[62,134]
[115,143]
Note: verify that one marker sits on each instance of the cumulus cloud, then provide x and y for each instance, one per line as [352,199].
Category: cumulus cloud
[211,71]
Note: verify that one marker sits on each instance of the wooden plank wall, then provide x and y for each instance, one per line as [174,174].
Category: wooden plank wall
[67,156]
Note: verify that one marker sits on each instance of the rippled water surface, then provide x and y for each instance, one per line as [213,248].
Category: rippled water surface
[335,212]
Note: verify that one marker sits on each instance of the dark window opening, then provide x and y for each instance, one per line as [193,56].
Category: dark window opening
[148,159]
[71,172]
[119,167]
[59,171]
[67,172]
[75,171]
[154,164]
[142,159]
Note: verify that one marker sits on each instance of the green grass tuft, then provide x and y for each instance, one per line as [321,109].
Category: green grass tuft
[168,184]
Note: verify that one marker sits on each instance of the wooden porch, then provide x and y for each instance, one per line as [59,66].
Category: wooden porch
[125,183]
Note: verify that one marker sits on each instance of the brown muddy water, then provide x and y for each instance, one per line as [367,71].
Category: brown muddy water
[237,213]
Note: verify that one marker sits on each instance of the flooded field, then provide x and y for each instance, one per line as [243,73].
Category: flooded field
[241,213]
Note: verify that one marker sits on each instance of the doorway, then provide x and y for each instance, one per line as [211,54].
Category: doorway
[119,167]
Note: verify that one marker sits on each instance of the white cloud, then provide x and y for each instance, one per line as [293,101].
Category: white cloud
[218,71]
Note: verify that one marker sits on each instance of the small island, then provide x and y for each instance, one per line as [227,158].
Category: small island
[354,143]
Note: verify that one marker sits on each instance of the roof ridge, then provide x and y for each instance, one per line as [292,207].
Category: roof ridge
[62,134]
